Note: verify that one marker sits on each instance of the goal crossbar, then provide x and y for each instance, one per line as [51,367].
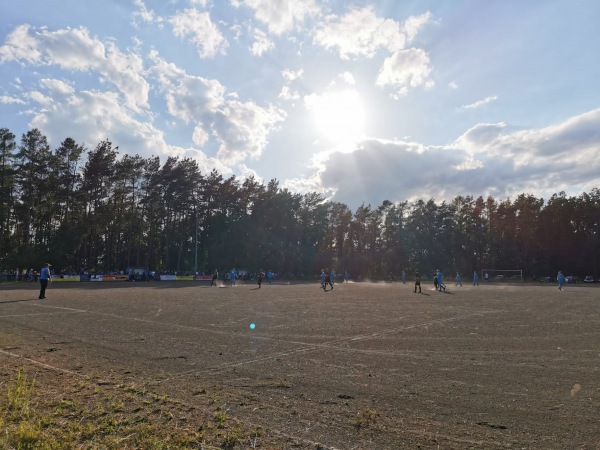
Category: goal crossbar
[506,273]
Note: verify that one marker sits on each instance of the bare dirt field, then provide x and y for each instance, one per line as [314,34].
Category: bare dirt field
[365,366]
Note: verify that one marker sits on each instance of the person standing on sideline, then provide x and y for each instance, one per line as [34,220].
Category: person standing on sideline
[417,281]
[45,277]
[347,276]
[233,276]
[475,279]
[403,277]
[486,278]
[458,281]
[333,275]
[561,280]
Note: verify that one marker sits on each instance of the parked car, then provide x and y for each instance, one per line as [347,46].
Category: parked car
[545,280]
[588,279]
[572,279]
[499,277]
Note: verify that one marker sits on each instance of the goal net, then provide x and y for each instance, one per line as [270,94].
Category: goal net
[501,275]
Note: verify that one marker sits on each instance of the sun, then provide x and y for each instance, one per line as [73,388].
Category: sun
[339,118]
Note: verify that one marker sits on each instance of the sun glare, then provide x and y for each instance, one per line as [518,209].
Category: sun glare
[339,118]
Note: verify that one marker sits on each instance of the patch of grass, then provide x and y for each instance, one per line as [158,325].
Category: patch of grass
[56,412]
[19,394]
[23,431]
[232,438]
[365,418]
[220,419]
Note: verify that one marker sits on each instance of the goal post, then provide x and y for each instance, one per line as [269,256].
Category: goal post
[501,275]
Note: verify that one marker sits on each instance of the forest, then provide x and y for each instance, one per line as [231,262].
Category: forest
[93,209]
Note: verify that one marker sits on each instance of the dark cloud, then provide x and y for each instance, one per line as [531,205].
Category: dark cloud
[483,161]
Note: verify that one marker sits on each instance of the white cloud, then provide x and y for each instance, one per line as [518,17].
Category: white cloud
[74,49]
[58,87]
[200,136]
[480,136]
[94,116]
[291,75]
[7,100]
[405,68]
[282,15]
[201,31]
[262,44]
[312,183]
[241,129]
[40,98]
[360,33]
[21,46]
[288,94]
[413,24]
[347,78]
[453,85]
[480,103]
[246,172]
[144,14]
[189,98]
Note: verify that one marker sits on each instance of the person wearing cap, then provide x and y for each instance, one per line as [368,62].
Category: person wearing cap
[45,277]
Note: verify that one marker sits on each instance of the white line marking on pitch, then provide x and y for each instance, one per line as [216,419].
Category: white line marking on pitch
[62,307]
[27,315]
[313,347]
[45,314]
[47,366]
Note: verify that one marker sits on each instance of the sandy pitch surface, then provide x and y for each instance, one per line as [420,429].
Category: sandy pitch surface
[365,366]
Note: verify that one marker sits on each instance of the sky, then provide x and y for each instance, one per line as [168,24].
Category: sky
[362,101]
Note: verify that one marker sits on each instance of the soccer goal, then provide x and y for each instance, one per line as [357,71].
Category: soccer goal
[501,275]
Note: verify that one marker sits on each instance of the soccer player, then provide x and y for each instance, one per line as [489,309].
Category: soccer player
[440,280]
[458,281]
[327,280]
[323,278]
[561,280]
[475,279]
[403,277]
[233,276]
[259,278]
[417,281]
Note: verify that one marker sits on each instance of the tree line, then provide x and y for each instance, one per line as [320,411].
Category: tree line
[91,209]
